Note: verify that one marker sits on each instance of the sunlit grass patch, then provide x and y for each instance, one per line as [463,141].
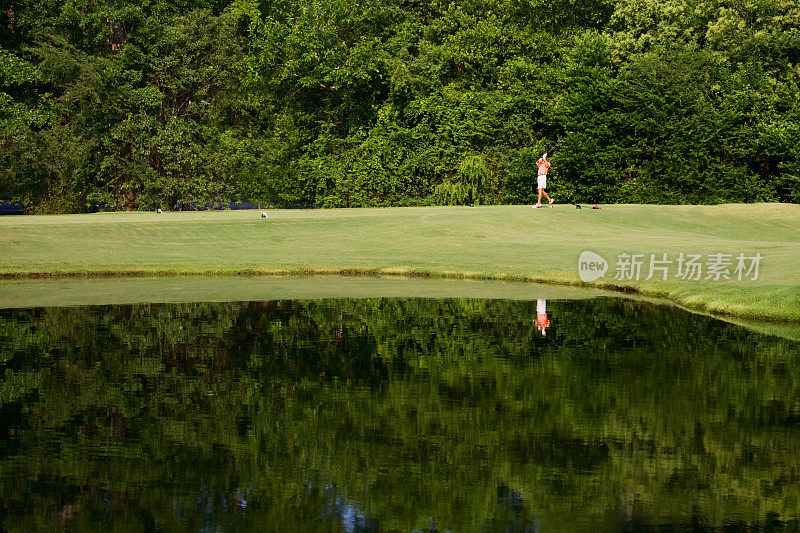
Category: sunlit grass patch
[492,242]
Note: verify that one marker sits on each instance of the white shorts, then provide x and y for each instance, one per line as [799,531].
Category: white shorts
[542,181]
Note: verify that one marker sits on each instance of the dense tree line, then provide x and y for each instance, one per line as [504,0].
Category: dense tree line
[116,104]
[170,416]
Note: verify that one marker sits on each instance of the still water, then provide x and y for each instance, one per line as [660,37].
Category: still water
[395,415]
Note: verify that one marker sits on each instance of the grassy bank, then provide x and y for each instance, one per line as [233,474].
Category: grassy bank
[69,292]
[502,242]
[82,291]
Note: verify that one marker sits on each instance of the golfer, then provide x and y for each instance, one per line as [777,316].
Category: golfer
[541,179]
[542,322]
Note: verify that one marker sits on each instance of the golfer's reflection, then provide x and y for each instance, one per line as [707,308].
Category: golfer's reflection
[542,322]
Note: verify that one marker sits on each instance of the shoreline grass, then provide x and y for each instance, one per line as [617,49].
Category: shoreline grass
[507,243]
[117,290]
[694,302]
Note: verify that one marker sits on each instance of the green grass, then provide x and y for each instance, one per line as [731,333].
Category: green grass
[77,291]
[61,292]
[497,242]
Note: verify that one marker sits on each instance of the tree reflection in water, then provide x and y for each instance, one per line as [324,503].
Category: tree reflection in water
[395,414]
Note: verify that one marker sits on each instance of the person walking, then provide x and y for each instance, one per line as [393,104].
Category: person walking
[541,179]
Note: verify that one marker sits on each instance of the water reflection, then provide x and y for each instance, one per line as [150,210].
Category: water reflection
[542,322]
[395,414]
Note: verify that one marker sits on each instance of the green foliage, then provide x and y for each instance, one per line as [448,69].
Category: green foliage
[339,104]
[472,184]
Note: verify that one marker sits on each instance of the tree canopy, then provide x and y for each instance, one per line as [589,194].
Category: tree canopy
[117,104]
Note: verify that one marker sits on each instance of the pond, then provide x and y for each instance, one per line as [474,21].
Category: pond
[395,414]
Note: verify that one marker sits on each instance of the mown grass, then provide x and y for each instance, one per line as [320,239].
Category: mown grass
[493,242]
[58,292]
[79,291]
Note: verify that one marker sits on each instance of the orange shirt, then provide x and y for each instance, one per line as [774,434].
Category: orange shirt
[543,166]
[542,321]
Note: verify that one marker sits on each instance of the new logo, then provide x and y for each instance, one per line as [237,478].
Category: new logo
[591,266]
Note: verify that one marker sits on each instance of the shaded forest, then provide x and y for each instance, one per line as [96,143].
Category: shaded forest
[116,104]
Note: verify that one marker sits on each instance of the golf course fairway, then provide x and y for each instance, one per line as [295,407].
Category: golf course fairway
[514,243]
